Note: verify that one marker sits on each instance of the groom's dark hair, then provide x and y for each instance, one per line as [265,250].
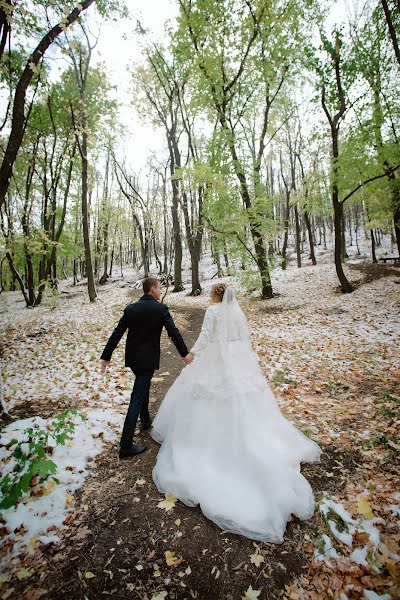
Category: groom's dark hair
[148,283]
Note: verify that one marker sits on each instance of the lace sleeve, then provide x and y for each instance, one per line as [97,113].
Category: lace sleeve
[205,333]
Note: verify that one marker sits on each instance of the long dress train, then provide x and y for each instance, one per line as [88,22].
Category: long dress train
[225,443]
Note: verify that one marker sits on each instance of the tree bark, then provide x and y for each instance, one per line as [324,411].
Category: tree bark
[392,30]
[310,238]
[85,214]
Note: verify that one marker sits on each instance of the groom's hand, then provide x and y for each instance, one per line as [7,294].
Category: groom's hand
[104,364]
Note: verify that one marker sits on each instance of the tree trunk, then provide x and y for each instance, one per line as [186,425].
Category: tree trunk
[85,217]
[178,286]
[297,223]
[286,228]
[373,245]
[259,246]
[194,261]
[343,228]
[337,210]
[18,123]
[392,30]
[310,238]
[396,220]
[111,262]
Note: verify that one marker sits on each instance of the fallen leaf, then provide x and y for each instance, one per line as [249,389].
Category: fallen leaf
[89,575]
[171,559]
[160,595]
[23,573]
[257,559]
[168,503]
[251,594]
[364,507]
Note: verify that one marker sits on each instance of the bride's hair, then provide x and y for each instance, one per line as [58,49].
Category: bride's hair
[219,289]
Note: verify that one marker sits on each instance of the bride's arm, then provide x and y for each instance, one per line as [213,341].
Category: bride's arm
[205,333]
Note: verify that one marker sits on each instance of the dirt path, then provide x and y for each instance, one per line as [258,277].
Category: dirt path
[117,538]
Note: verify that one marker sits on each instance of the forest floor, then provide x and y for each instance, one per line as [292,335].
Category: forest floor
[333,363]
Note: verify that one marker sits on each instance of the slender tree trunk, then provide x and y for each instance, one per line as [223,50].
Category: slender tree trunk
[178,286]
[111,261]
[343,228]
[392,30]
[18,123]
[259,245]
[297,223]
[17,277]
[373,246]
[286,228]
[85,217]
[310,238]
[337,210]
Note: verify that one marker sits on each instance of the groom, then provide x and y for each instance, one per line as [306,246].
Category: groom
[144,321]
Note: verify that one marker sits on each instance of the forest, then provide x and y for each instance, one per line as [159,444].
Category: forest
[276,169]
[266,136]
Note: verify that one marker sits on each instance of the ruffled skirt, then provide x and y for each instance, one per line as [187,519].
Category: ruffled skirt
[227,447]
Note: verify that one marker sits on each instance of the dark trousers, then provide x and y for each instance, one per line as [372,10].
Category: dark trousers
[139,405]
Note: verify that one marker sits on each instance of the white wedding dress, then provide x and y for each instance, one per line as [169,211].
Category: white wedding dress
[225,444]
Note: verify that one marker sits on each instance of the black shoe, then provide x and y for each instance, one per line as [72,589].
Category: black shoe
[135,449]
[146,426]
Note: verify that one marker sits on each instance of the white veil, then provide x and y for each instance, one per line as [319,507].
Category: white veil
[234,322]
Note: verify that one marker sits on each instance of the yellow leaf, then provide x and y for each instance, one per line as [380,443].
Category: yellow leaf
[178,522]
[89,575]
[168,503]
[171,559]
[364,507]
[51,484]
[391,567]
[257,559]
[69,498]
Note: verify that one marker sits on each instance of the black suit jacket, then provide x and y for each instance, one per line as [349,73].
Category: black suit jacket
[144,321]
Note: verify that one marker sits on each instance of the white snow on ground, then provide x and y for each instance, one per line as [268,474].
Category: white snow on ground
[41,513]
[328,551]
[343,536]
[370,595]
[53,360]
[344,532]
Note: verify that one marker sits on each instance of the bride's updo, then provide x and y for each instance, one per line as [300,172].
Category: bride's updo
[218,289]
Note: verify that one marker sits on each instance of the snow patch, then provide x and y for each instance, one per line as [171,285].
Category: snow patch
[38,514]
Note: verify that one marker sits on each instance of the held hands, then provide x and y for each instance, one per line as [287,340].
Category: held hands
[188,359]
[104,364]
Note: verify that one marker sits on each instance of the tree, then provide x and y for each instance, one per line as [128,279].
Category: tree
[19,118]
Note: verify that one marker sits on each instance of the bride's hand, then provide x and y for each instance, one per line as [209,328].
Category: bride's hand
[188,359]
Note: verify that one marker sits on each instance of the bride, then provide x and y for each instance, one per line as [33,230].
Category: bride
[225,444]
